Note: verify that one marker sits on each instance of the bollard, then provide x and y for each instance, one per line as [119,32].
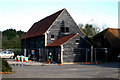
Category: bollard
[22,58]
[25,60]
[15,59]
[48,62]
[18,57]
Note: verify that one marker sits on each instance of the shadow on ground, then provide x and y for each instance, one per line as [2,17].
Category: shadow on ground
[109,64]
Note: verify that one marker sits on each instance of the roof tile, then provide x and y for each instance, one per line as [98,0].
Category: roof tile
[40,27]
[61,40]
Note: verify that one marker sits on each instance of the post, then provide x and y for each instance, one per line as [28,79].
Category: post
[61,54]
[95,55]
[106,54]
[39,54]
[86,54]
[45,39]
[25,52]
[91,53]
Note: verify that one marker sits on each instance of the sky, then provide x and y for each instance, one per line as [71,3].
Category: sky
[119,14]
[22,14]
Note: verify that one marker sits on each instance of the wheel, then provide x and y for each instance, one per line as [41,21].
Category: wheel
[11,57]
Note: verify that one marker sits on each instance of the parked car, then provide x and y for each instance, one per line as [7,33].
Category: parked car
[6,54]
[119,56]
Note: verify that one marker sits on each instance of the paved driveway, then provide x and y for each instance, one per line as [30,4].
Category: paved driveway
[106,70]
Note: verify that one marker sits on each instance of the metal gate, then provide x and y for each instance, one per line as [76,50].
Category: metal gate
[101,54]
[42,54]
[38,54]
[82,55]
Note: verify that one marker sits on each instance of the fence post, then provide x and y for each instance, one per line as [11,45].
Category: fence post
[25,52]
[106,53]
[61,53]
[95,54]
[46,50]
[91,53]
[86,54]
[39,53]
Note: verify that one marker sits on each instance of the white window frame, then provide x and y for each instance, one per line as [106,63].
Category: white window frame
[76,40]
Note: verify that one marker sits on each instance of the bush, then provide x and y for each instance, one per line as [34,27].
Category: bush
[17,52]
[5,66]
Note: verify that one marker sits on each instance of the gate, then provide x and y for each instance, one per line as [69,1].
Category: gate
[82,55]
[101,54]
[43,54]
[38,54]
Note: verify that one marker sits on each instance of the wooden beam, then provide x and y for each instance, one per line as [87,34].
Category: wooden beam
[61,53]
[91,53]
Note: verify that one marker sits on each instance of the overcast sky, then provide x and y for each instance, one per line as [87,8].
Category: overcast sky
[22,14]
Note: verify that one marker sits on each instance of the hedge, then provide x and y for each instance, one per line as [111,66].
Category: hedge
[5,66]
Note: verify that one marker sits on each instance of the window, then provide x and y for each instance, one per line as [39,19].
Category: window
[62,24]
[9,52]
[77,41]
[67,29]
[64,29]
[52,37]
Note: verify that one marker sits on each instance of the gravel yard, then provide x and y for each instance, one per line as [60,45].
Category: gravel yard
[104,70]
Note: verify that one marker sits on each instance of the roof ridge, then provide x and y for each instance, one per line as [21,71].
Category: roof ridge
[40,27]
[114,28]
[55,19]
[69,38]
[51,15]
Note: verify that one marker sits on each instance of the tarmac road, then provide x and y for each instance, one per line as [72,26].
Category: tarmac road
[106,70]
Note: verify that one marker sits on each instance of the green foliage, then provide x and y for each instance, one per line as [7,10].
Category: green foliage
[11,38]
[5,66]
[9,33]
[17,51]
[89,30]
[5,42]
[20,33]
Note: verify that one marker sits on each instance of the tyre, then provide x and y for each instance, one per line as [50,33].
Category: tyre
[11,57]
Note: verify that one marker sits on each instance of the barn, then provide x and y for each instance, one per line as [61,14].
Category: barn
[59,37]
[109,38]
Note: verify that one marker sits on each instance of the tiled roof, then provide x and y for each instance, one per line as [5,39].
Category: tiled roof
[115,32]
[64,39]
[61,40]
[113,36]
[40,27]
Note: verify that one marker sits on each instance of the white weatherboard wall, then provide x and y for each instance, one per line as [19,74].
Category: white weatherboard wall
[25,52]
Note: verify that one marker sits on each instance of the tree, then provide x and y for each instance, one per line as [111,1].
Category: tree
[80,26]
[20,33]
[5,42]
[11,38]
[15,42]
[9,33]
[89,29]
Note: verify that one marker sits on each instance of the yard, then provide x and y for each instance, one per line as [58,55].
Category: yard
[104,70]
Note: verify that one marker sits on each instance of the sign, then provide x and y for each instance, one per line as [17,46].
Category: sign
[33,51]
[50,53]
